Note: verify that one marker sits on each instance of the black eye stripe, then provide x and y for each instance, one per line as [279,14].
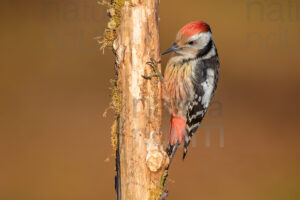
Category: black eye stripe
[206,49]
[191,42]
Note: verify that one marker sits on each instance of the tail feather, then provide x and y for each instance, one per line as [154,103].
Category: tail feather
[171,150]
[187,141]
[191,129]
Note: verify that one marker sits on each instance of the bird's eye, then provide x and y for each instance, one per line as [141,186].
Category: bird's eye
[191,42]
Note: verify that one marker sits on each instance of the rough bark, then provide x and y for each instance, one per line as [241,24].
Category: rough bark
[142,159]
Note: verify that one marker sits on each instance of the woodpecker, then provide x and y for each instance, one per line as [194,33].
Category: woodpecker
[190,81]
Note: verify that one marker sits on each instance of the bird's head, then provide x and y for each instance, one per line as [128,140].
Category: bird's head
[193,40]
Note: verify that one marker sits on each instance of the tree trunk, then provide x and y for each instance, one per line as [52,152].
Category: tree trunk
[142,159]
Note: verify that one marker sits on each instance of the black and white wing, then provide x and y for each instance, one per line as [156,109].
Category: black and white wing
[205,83]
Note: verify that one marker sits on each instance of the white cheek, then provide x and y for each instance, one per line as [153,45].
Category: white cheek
[186,54]
[201,39]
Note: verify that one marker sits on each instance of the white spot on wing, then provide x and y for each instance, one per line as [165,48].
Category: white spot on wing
[196,115]
[208,86]
[193,126]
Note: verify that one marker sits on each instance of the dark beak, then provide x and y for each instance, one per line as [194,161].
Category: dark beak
[173,48]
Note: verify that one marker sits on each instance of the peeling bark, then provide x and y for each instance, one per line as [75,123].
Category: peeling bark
[142,159]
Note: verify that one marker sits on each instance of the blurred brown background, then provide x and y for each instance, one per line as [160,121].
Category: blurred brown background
[54,85]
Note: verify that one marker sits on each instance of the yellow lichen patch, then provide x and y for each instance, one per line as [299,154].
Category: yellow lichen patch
[115,103]
[114,12]
[114,136]
[155,194]
[114,8]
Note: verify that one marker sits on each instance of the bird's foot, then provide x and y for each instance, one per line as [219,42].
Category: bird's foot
[164,195]
[154,64]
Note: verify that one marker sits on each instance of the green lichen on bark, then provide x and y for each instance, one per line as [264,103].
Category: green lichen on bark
[114,8]
[114,105]
[114,12]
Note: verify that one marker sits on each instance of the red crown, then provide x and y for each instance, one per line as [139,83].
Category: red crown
[193,28]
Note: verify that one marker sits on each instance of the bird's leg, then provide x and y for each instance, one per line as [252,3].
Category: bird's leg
[154,64]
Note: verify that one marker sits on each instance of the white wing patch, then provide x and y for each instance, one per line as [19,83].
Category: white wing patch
[208,87]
